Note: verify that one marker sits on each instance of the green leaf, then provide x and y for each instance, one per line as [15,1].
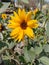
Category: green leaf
[1,4]
[40,64]
[47,29]
[26,55]
[4,7]
[2,44]
[11,45]
[7,62]
[46,48]
[44,60]
[38,49]
[3,48]
[25,1]
[29,55]
[6,57]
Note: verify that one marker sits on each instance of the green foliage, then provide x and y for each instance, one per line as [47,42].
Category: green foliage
[27,52]
[46,48]
[38,49]
[7,62]
[44,60]
[4,7]
[29,55]
[1,4]
[47,28]
[25,1]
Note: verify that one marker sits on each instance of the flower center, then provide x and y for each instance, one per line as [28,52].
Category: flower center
[23,25]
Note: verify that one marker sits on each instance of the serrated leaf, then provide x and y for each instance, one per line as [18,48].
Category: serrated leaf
[29,55]
[11,45]
[3,48]
[26,55]
[6,57]
[38,49]
[44,60]
[46,48]
[32,54]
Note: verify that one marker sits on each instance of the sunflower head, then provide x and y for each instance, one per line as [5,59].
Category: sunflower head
[4,16]
[22,24]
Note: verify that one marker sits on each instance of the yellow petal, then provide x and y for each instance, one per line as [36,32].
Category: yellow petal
[12,22]
[22,15]
[20,36]
[35,11]
[28,16]
[12,17]
[19,12]
[15,14]
[13,25]
[29,32]
[15,19]
[15,36]
[15,31]
[33,23]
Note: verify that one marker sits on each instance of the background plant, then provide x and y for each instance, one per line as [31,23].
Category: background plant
[29,52]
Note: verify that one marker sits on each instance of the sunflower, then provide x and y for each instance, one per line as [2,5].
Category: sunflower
[22,24]
[4,16]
